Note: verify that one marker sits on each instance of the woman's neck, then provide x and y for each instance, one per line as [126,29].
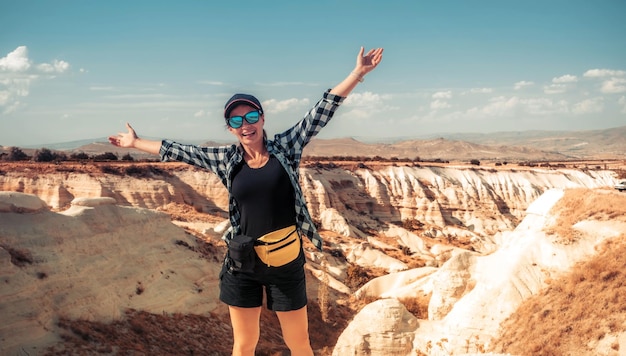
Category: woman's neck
[255,150]
[256,156]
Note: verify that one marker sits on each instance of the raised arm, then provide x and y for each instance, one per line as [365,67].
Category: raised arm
[364,64]
[130,140]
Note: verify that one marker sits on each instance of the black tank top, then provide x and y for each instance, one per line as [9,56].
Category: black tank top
[265,198]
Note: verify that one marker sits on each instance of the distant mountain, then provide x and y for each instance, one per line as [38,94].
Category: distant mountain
[76,145]
[427,150]
[67,146]
[589,144]
[513,145]
[581,144]
[96,146]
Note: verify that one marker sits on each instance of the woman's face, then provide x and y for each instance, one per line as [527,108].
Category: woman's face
[247,133]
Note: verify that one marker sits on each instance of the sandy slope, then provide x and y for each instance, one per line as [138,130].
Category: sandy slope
[92,261]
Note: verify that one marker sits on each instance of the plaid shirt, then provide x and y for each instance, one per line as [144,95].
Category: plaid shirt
[286,147]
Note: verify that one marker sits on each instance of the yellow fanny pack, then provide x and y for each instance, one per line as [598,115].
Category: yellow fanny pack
[279,247]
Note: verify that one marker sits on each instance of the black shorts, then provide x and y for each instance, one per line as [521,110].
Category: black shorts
[285,286]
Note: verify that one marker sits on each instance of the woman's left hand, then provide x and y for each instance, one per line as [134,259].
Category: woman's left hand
[366,63]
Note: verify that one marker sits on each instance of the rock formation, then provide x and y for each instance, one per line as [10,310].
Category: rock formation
[472,293]
[478,233]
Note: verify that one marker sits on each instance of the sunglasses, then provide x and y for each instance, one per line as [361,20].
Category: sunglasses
[237,121]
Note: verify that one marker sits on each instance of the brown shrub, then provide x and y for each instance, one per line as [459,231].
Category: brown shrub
[417,305]
[357,276]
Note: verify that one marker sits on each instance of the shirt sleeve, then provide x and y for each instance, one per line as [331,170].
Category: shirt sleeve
[299,135]
[211,158]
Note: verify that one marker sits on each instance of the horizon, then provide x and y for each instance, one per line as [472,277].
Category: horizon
[74,70]
[472,137]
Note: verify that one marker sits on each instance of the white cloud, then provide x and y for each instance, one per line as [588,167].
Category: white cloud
[364,105]
[442,95]
[9,99]
[4,97]
[276,106]
[439,104]
[200,113]
[15,87]
[622,102]
[544,106]
[565,79]
[560,84]
[601,73]
[522,84]
[555,88]
[12,106]
[16,77]
[614,81]
[502,106]
[16,61]
[440,100]
[211,82]
[481,90]
[588,106]
[613,86]
[497,106]
[56,67]
[365,100]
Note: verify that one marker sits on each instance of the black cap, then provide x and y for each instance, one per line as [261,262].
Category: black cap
[239,99]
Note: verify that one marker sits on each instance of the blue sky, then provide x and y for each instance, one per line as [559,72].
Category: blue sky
[74,70]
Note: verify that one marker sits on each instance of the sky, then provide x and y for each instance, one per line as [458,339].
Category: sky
[76,70]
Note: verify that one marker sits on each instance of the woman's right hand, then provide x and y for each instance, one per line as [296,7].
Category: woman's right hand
[124,139]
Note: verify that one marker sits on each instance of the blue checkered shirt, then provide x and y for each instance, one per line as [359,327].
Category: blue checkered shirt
[286,147]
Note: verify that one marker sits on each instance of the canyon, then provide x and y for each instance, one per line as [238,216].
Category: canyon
[468,243]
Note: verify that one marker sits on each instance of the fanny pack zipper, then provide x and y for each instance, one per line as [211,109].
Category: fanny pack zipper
[283,246]
[257,242]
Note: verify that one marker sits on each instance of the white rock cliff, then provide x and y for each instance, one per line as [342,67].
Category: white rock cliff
[75,226]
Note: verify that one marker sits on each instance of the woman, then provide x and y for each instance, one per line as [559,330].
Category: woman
[265,199]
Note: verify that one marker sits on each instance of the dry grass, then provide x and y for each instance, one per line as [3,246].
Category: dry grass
[143,333]
[584,306]
[574,311]
[582,204]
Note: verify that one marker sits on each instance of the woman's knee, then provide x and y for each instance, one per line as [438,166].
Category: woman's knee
[297,340]
[246,332]
[245,343]
[244,348]
[295,329]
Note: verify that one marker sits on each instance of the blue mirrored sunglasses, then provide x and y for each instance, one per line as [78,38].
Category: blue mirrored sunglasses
[237,121]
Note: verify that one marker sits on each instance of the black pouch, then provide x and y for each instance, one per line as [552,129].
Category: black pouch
[241,253]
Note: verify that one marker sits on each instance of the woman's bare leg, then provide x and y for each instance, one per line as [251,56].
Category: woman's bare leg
[295,326]
[245,322]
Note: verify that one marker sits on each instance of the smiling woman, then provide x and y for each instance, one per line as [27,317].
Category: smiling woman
[267,211]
